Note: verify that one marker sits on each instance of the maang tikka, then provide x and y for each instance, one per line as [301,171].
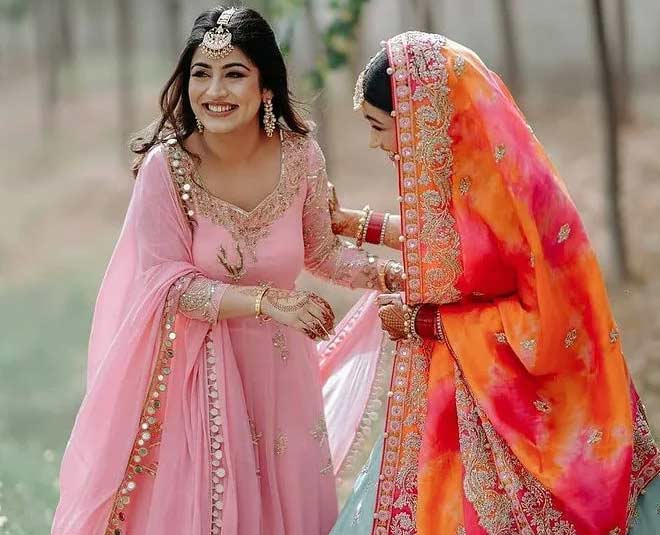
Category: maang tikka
[217,41]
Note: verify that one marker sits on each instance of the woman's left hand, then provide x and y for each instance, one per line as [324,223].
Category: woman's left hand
[392,315]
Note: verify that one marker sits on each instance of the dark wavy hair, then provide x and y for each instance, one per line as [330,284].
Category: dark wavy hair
[377,88]
[254,36]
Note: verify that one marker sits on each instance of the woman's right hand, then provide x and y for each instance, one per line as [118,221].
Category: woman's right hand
[301,310]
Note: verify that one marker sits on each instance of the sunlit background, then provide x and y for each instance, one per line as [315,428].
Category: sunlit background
[78,76]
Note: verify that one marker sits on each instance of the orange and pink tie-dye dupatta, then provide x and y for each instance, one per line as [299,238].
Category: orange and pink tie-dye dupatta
[525,419]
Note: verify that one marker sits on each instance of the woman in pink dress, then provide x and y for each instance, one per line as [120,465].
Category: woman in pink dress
[203,411]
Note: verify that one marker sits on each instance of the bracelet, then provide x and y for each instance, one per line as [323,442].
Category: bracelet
[383,230]
[210,312]
[410,315]
[439,331]
[257,304]
[382,272]
[374,228]
[362,226]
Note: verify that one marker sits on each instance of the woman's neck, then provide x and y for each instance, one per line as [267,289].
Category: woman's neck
[234,147]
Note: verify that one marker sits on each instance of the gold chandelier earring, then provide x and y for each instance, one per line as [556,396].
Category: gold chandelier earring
[200,126]
[269,118]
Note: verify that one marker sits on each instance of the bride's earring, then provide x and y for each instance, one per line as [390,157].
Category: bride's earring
[269,118]
[200,126]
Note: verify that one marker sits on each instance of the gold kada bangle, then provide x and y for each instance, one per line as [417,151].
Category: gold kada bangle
[382,276]
[257,304]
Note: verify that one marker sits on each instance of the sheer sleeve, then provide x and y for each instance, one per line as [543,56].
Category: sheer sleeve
[201,300]
[165,239]
[327,256]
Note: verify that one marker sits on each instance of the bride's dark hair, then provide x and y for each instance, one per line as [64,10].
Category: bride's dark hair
[254,36]
[377,88]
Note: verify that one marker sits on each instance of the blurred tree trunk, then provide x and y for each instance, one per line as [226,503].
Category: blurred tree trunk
[48,61]
[612,142]
[6,37]
[173,15]
[424,15]
[125,55]
[511,58]
[624,79]
[320,102]
[98,36]
[65,33]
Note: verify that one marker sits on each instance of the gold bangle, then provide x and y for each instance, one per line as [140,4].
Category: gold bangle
[411,331]
[383,230]
[382,272]
[363,223]
[257,304]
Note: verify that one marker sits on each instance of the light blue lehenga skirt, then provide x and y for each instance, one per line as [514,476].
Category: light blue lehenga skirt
[356,517]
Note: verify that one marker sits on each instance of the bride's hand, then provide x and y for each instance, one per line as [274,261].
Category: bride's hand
[392,315]
[301,310]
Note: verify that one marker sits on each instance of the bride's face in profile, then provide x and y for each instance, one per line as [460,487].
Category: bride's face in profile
[383,132]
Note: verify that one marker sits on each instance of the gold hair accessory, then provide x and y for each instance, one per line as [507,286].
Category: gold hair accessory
[358,96]
[217,41]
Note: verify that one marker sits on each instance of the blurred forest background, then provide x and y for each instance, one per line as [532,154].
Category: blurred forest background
[78,76]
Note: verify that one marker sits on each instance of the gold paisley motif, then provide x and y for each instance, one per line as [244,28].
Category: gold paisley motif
[506,496]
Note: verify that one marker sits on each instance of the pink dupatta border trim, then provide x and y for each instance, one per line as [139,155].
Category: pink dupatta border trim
[147,439]
[370,414]
[217,470]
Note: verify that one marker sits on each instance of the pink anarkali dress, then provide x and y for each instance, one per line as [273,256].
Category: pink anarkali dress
[196,426]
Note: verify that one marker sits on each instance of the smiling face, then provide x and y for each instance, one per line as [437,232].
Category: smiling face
[225,94]
[383,131]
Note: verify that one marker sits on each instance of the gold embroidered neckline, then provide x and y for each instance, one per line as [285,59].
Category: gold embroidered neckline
[247,227]
[197,179]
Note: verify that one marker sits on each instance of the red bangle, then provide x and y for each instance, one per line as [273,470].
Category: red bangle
[374,227]
[425,321]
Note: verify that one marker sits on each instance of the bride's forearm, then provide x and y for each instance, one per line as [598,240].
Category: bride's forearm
[393,233]
[346,222]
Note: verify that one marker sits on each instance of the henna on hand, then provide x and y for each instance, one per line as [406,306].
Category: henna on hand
[393,320]
[328,316]
[287,301]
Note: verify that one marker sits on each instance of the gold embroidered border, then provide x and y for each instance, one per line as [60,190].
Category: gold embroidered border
[143,459]
[645,461]
[217,472]
[505,495]
[425,172]
[424,114]
[370,415]
[248,228]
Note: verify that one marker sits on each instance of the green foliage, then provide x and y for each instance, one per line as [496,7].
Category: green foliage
[337,37]
[14,10]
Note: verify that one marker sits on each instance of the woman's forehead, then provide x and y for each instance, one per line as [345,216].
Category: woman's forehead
[235,56]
